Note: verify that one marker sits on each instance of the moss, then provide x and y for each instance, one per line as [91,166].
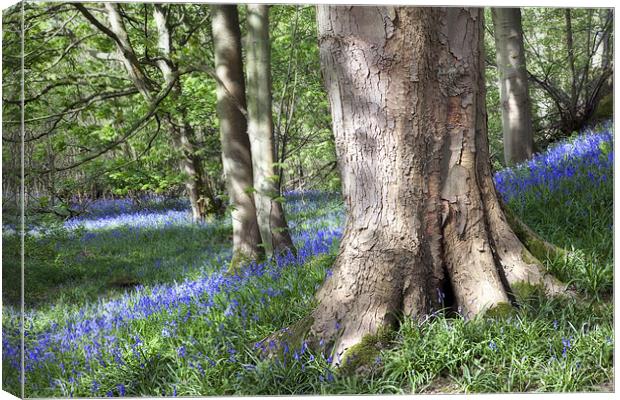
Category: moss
[238,259]
[538,248]
[524,290]
[528,257]
[361,358]
[500,310]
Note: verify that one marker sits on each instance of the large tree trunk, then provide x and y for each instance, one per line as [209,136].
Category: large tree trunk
[514,95]
[407,98]
[271,220]
[236,156]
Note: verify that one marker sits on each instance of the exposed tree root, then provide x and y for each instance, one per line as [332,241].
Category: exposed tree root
[280,343]
[534,249]
[537,246]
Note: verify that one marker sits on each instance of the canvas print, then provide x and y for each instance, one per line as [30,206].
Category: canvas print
[207,199]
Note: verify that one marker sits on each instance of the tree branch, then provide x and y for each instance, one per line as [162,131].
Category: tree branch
[130,132]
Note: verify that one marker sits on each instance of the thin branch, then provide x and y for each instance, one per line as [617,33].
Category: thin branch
[149,145]
[87,101]
[97,23]
[130,132]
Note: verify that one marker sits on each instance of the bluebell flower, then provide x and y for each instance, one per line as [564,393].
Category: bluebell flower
[232,357]
[94,326]
[588,155]
[566,345]
[440,296]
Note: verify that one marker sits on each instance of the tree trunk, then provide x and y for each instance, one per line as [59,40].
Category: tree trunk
[407,97]
[271,220]
[236,156]
[202,199]
[201,194]
[571,63]
[514,95]
[607,42]
[125,50]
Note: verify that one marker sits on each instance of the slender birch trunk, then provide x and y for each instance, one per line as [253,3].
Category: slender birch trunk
[201,194]
[201,198]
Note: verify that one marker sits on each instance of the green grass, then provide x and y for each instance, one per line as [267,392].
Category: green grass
[546,345]
[64,268]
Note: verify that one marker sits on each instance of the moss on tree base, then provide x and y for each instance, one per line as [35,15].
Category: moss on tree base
[500,310]
[362,358]
[537,247]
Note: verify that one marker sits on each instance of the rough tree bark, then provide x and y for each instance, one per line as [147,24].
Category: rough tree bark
[271,220]
[514,94]
[407,98]
[236,156]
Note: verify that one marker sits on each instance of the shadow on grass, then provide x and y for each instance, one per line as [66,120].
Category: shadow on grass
[75,267]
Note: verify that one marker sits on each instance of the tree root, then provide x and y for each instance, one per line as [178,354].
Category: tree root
[536,245]
[536,249]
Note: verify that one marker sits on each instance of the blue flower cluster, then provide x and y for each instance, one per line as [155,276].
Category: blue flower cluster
[135,219]
[78,340]
[589,156]
[116,206]
[89,335]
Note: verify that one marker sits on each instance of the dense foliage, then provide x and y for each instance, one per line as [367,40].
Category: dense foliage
[81,106]
[144,291]
[80,102]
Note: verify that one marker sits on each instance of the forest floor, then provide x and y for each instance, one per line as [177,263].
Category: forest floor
[132,300]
